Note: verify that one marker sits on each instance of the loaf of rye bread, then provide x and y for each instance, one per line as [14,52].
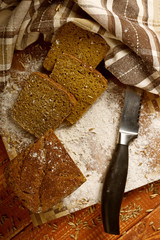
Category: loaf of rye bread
[80,79]
[42,104]
[43,174]
[83,44]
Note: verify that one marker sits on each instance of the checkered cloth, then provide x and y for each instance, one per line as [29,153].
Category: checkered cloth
[130,27]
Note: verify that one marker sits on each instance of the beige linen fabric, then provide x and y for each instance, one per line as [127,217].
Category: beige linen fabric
[130,27]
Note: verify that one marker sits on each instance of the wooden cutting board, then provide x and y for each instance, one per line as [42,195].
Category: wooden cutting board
[91,141]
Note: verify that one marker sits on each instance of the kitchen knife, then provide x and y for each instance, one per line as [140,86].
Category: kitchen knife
[115,180]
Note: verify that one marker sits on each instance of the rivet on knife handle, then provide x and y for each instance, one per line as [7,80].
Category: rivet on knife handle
[114,184]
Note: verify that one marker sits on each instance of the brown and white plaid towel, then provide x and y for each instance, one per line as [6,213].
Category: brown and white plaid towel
[130,27]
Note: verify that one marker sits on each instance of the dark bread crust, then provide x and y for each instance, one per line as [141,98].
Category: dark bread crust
[43,174]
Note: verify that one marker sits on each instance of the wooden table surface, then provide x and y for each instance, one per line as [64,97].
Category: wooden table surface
[139,218]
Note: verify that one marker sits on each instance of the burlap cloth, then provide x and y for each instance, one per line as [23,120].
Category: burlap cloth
[131,28]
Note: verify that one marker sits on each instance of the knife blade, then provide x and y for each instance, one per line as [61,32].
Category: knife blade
[115,180]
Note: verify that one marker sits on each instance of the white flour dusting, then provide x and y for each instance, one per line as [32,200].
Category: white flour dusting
[91,141]
[145,152]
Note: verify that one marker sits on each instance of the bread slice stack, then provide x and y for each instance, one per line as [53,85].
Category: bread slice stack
[74,83]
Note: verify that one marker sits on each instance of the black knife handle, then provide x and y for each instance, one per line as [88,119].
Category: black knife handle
[113,189]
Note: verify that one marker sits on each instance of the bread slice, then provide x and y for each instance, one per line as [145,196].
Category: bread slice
[42,104]
[84,82]
[85,45]
[43,174]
